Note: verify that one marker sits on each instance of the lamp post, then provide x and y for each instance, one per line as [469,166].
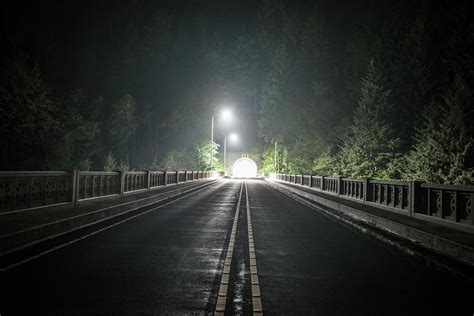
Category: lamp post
[226,115]
[233,138]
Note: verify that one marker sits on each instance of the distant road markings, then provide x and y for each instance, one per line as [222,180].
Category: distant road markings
[224,285]
[256,295]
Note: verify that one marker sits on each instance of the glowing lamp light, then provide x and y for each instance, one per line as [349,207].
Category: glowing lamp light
[244,168]
[233,137]
[226,115]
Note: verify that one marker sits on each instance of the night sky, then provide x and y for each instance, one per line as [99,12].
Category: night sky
[77,44]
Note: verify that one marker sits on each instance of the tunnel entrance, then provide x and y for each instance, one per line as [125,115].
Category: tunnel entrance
[244,168]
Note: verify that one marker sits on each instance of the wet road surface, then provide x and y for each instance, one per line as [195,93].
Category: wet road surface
[171,261]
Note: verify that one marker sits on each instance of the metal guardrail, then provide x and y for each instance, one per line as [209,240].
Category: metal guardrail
[451,205]
[20,190]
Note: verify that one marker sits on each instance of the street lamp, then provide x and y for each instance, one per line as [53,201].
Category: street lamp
[226,115]
[233,138]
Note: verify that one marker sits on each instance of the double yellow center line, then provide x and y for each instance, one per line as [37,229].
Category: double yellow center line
[224,285]
[222,298]
[256,296]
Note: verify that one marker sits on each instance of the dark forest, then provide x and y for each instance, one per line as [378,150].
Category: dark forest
[378,89]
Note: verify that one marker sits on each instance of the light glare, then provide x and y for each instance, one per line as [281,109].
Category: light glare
[244,168]
[226,114]
[233,137]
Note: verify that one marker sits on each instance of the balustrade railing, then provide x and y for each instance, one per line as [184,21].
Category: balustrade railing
[181,176]
[391,194]
[307,180]
[331,185]
[446,204]
[157,178]
[136,180]
[97,184]
[317,182]
[21,190]
[352,188]
[171,177]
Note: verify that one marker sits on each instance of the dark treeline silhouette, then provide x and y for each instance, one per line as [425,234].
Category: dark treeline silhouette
[379,89]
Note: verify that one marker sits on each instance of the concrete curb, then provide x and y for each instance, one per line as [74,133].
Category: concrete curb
[28,237]
[435,243]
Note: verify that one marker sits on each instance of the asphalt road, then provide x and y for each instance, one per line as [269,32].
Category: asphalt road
[170,261]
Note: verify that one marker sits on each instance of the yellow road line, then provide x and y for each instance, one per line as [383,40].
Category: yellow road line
[224,285]
[256,295]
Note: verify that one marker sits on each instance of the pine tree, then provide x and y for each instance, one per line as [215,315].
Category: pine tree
[444,147]
[110,164]
[28,124]
[370,148]
[123,123]
[205,153]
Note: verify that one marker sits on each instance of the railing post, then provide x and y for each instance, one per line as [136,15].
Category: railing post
[322,183]
[74,186]
[177,176]
[165,178]
[148,176]
[302,179]
[365,188]
[310,181]
[413,190]
[339,185]
[186,176]
[122,182]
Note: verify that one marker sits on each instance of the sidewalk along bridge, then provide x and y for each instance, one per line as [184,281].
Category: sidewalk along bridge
[244,246]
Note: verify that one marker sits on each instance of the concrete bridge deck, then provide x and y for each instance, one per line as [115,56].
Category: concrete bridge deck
[232,247]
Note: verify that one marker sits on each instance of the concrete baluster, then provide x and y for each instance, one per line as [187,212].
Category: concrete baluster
[74,186]
[122,182]
[365,189]
[413,197]
[148,176]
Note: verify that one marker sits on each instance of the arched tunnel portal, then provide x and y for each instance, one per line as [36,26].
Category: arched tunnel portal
[244,168]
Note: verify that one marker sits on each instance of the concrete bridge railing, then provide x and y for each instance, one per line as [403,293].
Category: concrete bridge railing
[451,205]
[20,190]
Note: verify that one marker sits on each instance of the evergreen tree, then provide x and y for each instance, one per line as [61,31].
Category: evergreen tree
[124,123]
[268,159]
[110,164]
[204,153]
[370,148]
[28,116]
[325,164]
[78,140]
[444,147]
